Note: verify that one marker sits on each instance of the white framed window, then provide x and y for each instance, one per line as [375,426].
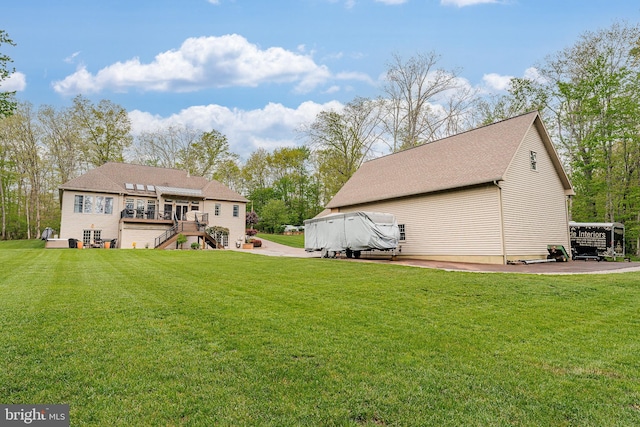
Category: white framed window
[108,205]
[99,204]
[78,204]
[85,204]
[90,237]
[86,238]
[403,235]
[533,160]
[151,209]
[88,204]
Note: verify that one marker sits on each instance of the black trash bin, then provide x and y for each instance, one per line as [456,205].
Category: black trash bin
[73,243]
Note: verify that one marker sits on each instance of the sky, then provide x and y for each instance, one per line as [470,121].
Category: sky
[257,71]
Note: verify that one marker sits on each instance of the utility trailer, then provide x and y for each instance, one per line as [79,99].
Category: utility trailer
[351,233]
[596,240]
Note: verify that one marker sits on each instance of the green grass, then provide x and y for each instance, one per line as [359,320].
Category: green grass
[201,338]
[22,244]
[293,240]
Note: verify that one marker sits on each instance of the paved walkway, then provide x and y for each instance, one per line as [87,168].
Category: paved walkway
[572,267]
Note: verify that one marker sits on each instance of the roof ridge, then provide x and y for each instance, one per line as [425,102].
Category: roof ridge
[456,135]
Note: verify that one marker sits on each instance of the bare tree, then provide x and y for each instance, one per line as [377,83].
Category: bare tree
[62,139]
[342,141]
[161,147]
[423,102]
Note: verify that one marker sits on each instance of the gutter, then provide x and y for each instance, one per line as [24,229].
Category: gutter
[504,249]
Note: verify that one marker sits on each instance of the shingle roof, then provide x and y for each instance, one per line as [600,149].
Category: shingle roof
[112,178]
[475,157]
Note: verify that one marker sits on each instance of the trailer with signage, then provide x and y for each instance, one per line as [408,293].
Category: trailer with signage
[596,240]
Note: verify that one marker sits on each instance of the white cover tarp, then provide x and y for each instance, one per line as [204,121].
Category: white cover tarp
[357,231]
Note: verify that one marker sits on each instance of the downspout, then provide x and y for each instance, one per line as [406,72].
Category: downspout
[504,250]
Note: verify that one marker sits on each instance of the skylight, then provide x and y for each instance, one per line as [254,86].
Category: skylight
[128,186]
[140,187]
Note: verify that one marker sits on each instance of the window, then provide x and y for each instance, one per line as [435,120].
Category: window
[140,187]
[533,160]
[402,233]
[84,204]
[151,209]
[236,210]
[140,208]
[108,205]
[90,237]
[77,204]
[99,204]
[88,204]
[217,210]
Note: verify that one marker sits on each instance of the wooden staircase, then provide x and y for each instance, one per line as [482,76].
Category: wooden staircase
[187,228]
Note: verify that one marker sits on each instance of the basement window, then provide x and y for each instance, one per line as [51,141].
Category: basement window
[533,160]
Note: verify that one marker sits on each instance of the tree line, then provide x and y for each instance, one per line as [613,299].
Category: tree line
[588,95]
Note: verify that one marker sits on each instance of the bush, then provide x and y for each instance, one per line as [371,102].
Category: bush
[251,232]
[195,245]
[257,243]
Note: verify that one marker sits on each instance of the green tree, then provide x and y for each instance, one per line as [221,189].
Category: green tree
[229,173]
[104,129]
[7,99]
[524,95]
[594,100]
[274,216]
[24,135]
[342,141]
[204,155]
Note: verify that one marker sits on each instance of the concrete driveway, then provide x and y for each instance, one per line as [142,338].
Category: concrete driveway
[572,267]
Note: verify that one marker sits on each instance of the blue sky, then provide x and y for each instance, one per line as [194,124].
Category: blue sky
[256,70]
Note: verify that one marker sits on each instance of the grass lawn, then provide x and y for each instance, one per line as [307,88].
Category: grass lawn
[202,338]
[293,240]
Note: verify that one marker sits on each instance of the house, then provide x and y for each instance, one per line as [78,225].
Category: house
[144,206]
[490,195]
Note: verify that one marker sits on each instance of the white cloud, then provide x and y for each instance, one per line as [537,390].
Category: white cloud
[70,59]
[494,81]
[15,82]
[270,127]
[202,62]
[533,74]
[463,3]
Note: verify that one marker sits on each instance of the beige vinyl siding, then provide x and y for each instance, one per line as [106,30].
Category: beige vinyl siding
[72,224]
[144,235]
[534,202]
[236,225]
[464,223]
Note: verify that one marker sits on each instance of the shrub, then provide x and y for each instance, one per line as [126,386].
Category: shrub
[257,243]
[195,245]
[251,232]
